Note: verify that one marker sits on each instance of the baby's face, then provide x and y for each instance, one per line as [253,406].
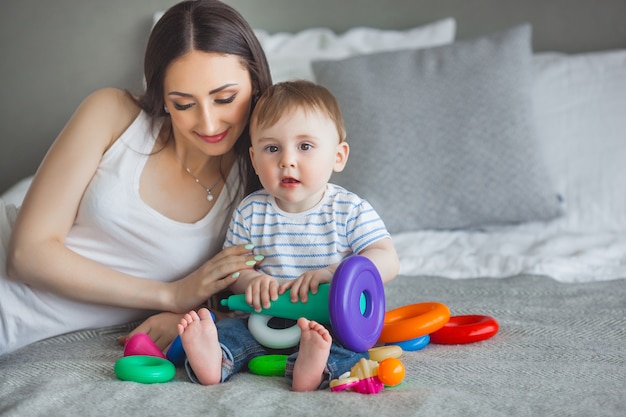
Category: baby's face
[295,157]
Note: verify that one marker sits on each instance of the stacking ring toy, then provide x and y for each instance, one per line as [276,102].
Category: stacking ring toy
[414,344]
[176,353]
[412,321]
[381,353]
[144,369]
[465,329]
[356,303]
[268,365]
[272,338]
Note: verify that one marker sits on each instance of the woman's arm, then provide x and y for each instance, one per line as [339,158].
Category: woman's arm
[37,254]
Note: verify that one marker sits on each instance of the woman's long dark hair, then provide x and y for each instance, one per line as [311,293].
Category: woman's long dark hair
[208,26]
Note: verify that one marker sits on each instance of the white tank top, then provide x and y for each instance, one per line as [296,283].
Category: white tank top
[116,228]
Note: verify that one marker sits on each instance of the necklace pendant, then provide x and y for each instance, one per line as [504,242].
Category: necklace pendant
[209,195]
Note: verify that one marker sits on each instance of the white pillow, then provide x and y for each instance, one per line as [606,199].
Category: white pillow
[15,195]
[290,54]
[580,105]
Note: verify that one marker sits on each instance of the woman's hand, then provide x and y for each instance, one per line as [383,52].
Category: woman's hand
[213,276]
[161,328]
[309,281]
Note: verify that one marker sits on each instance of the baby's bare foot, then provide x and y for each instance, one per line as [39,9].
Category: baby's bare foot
[315,342]
[199,336]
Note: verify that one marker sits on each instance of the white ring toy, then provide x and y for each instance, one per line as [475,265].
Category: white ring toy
[272,338]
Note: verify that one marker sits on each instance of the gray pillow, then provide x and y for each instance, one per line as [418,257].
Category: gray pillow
[444,137]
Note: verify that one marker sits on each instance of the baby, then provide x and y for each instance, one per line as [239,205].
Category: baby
[304,225]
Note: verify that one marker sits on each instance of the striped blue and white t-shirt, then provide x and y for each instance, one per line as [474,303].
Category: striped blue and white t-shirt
[340,225]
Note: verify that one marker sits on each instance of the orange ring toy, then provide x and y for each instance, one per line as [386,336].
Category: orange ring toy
[413,321]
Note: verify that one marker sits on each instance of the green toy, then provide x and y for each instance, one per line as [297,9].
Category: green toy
[315,309]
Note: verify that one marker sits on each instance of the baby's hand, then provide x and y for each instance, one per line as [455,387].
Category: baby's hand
[261,291]
[309,281]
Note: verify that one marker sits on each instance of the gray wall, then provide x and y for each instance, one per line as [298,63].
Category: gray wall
[56,52]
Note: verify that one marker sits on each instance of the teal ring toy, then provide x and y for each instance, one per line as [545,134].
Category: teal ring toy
[144,369]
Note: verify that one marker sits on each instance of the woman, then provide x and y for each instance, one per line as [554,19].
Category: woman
[135,195]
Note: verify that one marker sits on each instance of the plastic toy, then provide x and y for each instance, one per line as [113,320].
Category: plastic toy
[391,371]
[268,365]
[315,309]
[357,303]
[272,338]
[353,303]
[140,344]
[176,353]
[381,353]
[414,344]
[413,321]
[465,329]
[362,379]
[365,376]
[144,369]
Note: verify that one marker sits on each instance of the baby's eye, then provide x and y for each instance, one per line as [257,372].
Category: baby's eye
[226,100]
[271,148]
[305,146]
[182,106]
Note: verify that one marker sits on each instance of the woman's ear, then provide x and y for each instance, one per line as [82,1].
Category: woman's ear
[341,157]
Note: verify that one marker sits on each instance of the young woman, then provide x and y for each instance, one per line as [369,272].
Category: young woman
[128,211]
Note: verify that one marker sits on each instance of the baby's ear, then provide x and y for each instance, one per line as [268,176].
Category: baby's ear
[252,158]
[341,157]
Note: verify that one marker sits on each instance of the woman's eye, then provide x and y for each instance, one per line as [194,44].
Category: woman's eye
[182,106]
[226,100]
[305,146]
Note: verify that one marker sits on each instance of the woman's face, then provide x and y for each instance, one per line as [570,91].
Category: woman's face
[208,96]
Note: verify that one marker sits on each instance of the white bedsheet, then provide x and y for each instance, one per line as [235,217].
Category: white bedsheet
[567,256]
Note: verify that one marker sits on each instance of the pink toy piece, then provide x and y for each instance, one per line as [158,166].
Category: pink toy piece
[141,345]
[343,384]
[371,385]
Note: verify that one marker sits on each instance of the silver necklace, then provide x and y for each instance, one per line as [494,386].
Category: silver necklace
[209,195]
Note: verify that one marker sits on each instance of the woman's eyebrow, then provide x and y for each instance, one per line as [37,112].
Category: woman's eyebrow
[218,89]
[215,90]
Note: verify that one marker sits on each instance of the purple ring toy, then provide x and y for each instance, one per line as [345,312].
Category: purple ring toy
[357,279]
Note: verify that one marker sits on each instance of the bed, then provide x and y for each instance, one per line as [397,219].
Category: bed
[501,174]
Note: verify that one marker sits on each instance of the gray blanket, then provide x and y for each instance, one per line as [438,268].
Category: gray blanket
[560,351]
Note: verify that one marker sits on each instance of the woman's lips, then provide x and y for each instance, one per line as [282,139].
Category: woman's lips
[214,138]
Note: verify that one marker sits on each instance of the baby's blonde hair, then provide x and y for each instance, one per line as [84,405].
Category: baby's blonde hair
[288,95]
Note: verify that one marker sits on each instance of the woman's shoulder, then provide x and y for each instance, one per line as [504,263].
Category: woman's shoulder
[112,97]
[111,109]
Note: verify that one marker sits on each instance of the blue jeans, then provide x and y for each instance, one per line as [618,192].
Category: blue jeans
[239,347]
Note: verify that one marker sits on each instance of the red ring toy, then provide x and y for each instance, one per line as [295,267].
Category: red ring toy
[413,321]
[465,329]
